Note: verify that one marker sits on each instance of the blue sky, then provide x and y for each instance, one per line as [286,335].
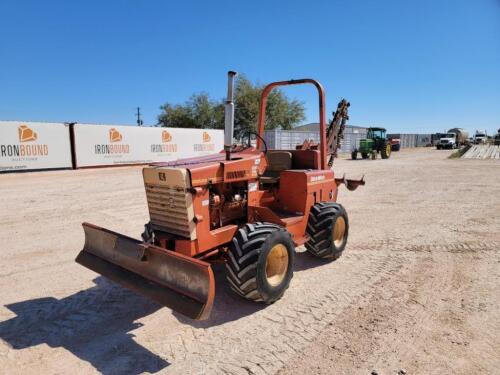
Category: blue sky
[411,66]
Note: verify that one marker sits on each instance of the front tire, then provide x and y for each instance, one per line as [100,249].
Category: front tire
[328,229]
[260,262]
[365,155]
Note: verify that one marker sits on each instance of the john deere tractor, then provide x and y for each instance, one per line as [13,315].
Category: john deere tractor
[374,143]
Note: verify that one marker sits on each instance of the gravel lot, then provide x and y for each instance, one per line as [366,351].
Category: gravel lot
[416,291]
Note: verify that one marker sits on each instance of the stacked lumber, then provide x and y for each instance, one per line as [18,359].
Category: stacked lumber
[483,152]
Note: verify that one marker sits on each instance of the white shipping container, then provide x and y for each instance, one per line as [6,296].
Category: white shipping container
[98,145]
[34,146]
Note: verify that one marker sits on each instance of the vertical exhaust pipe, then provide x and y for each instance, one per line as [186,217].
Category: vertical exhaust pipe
[229,115]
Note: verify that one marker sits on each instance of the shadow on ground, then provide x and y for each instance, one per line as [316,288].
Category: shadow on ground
[93,324]
[229,307]
[305,261]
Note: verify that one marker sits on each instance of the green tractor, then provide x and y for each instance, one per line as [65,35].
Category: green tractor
[374,143]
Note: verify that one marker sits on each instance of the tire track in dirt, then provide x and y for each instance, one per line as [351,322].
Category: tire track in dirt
[408,324]
[251,345]
[262,348]
[401,246]
[256,344]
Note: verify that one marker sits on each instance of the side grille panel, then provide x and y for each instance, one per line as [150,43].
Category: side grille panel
[169,202]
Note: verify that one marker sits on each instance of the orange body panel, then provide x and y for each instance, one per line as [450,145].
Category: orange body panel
[285,201]
[245,166]
[291,205]
[286,204]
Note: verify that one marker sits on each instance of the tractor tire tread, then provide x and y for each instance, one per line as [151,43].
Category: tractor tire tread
[241,264]
[321,218]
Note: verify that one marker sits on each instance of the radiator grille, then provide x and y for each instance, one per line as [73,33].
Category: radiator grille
[170,207]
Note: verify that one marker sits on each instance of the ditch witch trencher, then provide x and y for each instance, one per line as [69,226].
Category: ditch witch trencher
[248,206]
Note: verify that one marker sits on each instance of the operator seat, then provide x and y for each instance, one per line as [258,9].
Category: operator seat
[277,161]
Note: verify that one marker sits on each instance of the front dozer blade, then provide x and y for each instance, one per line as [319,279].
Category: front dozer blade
[184,284]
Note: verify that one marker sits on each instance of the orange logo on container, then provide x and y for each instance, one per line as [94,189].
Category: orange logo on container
[206,137]
[114,135]
[26,134]
[166,136]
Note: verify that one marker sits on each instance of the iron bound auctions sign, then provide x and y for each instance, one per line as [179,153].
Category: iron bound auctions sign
[34,146]
[99,145]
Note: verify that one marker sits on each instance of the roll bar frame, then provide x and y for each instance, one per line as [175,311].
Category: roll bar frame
[322,116]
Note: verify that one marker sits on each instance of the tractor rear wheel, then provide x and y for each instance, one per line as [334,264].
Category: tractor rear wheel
[260,262]
[328,228]
[385,152]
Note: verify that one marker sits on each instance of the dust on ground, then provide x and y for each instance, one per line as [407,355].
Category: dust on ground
[416,290]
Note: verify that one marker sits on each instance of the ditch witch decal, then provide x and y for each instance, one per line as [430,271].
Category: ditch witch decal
[166,146]
[113,147]
[26,149]
[207,144]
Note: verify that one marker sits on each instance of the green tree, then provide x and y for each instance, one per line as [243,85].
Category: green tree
[202,112]
[280,111]
[199,111]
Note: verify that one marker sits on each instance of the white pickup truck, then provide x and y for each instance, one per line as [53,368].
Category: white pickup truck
[480,137]
[448,140]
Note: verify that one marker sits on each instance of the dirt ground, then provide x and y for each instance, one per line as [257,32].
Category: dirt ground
[416,291]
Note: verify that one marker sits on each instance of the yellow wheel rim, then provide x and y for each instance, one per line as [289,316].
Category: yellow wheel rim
[276,264]
[388,149]
[339,231]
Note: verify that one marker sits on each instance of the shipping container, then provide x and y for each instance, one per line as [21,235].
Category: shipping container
[288,139]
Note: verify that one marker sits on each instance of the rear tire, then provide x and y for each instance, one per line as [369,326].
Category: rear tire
[260,262]
[385,152]
[328,229]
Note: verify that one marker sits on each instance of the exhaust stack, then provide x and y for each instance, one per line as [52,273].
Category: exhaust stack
[229,115]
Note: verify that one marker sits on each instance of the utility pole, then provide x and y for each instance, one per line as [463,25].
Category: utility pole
[139,121]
